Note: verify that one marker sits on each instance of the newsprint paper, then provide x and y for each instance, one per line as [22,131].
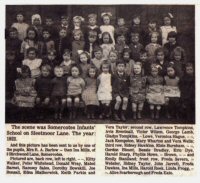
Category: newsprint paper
[100,89]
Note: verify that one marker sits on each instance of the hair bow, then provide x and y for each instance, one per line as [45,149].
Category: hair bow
[106,13]
[170,15]
[79,18]
[36,16]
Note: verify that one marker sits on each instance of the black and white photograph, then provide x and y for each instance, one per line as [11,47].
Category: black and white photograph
[100,64]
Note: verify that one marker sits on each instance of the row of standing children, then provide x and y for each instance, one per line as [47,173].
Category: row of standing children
[117,72]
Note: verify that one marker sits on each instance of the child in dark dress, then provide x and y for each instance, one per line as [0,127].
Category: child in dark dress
[187,87]
[43,88]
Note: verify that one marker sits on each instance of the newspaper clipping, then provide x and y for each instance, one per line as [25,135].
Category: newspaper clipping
[100,90]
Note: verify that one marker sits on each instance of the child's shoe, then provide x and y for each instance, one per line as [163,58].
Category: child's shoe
[56,116]
[123,118]
[115,116]
[152,114]
[157,114]
[60,116]
[139,115]
[134,115]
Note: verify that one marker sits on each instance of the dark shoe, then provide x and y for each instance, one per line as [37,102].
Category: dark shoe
[115,116]
[101,116]
[88,116]
[139,115]
[134,115]
[56,116]
[92,116]
[157,114]
[152,114]
[60,116]
[74,114]
[123,118]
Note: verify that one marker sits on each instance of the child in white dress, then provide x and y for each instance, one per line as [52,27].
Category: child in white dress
[167,27]
[104,91]
[106,27]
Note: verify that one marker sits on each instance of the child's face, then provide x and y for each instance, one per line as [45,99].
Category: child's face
[66,56]
[63,33]
[106,38]
[106,20]
[75,72]
[77,37]
[121,39]
[92,21]
[172,39]
[135,38]
[58,72]
[160,56]
[92,39]
[31,34]
[20,18]
[64,21]
[83,58]
[143,57]
[51,57]
[98,55]
[170,71]
[25,74]
[31,55]
[10,57]
[46,35]
[49,22]
[167,21]
[105,68]
[189,70]
[92,73]
[45,72]
[113,57]
[120,22]
[154,72]
[136,20]
[177,56]
[152,25]
[121,67]
[36,21]
[13,34]
[154,38]
[126,56]
[77,23]
[137,69]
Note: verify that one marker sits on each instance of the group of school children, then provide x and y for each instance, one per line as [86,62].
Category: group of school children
[106,68]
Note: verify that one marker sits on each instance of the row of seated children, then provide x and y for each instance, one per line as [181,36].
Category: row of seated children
[121,81]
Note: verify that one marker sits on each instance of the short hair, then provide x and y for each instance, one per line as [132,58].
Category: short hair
[189,64]
[159,50]
[26,69]
[12,29]
[120,62]
[126,50]
[32,49]
[172,34]
[51,52]
[57,67]
[143,51]
[98,48]
[66,51]
[47,66]
[46,30]
[77,66]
